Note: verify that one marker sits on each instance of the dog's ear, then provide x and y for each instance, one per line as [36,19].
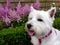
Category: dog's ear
[31,9]
[52,11]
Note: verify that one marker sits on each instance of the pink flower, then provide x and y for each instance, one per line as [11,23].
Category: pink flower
[8,5]
[9,15]
[7,21]
[1,8]
[19,9]
[2,11]
[26,9]
[13,15]
[37,4]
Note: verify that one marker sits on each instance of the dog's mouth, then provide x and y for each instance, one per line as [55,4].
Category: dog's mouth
[31,32]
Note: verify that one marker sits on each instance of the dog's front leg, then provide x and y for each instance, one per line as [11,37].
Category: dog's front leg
[34,40]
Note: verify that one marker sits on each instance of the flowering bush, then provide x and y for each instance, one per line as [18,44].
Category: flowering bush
[9,15]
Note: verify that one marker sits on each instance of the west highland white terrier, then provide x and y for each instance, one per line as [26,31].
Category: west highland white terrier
[40,29]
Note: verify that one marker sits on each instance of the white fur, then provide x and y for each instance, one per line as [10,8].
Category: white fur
[41,28]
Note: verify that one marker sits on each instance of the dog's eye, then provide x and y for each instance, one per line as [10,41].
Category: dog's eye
[39,19]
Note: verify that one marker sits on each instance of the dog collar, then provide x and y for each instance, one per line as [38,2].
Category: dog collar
[40,40]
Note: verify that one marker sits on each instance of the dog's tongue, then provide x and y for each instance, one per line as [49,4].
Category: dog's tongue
[31,33]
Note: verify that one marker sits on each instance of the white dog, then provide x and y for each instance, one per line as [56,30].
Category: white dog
[39,27]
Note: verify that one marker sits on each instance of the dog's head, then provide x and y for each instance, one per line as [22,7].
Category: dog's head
[40,22]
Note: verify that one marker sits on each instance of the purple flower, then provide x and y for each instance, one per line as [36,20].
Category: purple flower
[8,5]
[9,15]
[2,11]
[13,15]
[19,9]
[37,4]
[19,5]
[7,21]
[26,9]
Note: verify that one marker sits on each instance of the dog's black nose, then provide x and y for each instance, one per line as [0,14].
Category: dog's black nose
[29,26]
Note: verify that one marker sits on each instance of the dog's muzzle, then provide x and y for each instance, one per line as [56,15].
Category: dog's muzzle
[29,26]
[30,31]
